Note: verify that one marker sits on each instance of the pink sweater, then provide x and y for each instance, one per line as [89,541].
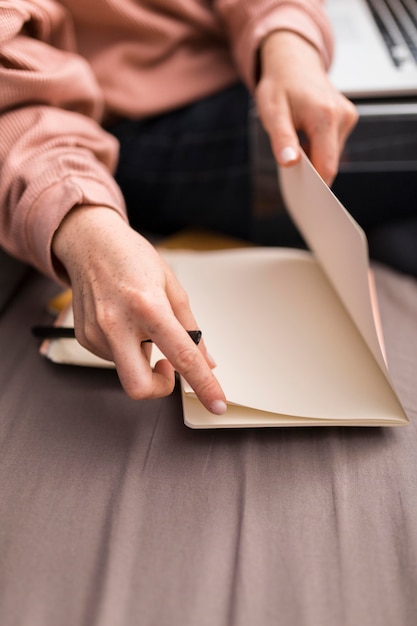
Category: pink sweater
[65,65]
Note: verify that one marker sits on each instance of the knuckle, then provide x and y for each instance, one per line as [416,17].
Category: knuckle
[207,388]
[147,308]
[92,341]
[182,299]
[187,359]
[335,110]
[142,304]
[106,320]
[145,390]
[137,389]
[352,115]
[329,112]
[138,392]
[348,114]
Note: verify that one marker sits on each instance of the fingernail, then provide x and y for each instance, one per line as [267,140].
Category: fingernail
[218,407]
[287,155]
[210,360]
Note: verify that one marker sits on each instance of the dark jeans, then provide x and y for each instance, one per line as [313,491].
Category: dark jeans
[189,167]
[204,166]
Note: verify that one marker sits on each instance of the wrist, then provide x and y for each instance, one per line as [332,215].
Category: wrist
[286,45]
[79,229]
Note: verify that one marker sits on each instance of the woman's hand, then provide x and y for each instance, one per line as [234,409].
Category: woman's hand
[123,293]
[295,94]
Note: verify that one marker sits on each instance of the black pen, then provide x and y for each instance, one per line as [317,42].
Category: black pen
[66,332]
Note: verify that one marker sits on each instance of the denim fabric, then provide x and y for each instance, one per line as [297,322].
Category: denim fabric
[189,167]
[209,165]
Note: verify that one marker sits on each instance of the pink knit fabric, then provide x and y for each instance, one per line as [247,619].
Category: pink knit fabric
[65,65]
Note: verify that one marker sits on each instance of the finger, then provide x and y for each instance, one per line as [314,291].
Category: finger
[324,152]
[136,375]
[210,360]
[327,134]
[131,357]
[189,360]
[348,121]
[181,308]
[89,335]
[277,121]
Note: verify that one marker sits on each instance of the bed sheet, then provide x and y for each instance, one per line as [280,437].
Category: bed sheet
[113,513]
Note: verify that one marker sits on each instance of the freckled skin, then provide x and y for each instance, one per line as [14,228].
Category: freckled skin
[123,292]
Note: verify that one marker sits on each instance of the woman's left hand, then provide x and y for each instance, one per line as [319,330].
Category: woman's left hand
[294,93]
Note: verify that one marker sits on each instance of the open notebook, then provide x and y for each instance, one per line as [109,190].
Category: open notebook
[295,334]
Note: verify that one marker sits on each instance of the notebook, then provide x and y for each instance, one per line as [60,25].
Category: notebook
[295,333]
[375,47]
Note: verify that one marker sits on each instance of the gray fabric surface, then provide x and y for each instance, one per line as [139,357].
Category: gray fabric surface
[12,273]
[113,513]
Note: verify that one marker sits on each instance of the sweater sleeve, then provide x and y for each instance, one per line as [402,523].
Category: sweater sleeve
[249,21]
[54,155]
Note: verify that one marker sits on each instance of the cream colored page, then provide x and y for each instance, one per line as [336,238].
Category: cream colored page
[280,336]
[196,416]
[281,358]
[337,241]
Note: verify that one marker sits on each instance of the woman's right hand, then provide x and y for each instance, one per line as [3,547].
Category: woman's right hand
[124,293]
